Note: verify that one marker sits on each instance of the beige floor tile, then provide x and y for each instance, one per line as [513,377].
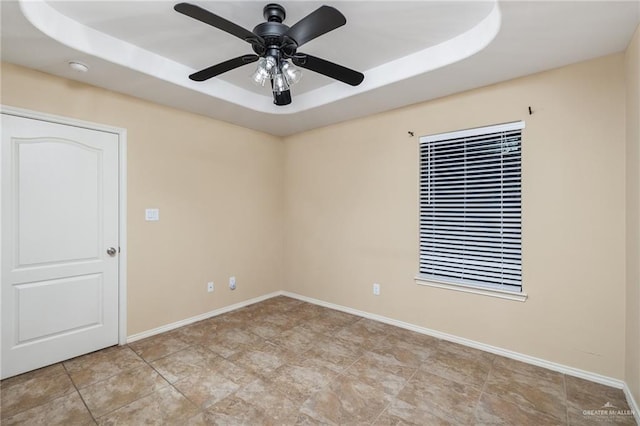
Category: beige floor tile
[459,365]
[240,318]
[232,341]
[275,406]
[466,351]
[492,410]
[375,326]
[227,369]
[385,419]
[592,395]
[121,389]
[64,411]
[299,380]
[159,346]
[541,394]
[281,319]
[429,396]
[415,338]
[328,322]
[603,415]
[279,303]
[206,387]
[236,373]
[51,370]
[365,333]
[337,317]
[528,370]
[200,419]
[321,327]
[346,400]
[400,413]
[230,411]
[406,351]
[186,362]
[586,400]
[248,314]
[407,347]
[199,333]
[262,360]
[265,330]
[297,339]
[97,366]
[21,393]
[162,407]
[382,370]
[307,311]
[334,354]
[304,420]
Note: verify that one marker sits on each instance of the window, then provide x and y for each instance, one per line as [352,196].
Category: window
[470,210]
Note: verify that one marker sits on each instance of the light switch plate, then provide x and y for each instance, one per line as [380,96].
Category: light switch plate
[152,215]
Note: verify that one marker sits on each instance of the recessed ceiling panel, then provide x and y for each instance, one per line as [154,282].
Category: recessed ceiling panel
[409,52]
[376,33]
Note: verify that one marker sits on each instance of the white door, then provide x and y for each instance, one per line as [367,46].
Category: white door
[59,220]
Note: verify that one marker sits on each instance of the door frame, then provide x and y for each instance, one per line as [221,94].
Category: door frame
[122,197]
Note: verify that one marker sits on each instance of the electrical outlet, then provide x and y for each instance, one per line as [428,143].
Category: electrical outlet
[210,286]
[376,289]
[232,283]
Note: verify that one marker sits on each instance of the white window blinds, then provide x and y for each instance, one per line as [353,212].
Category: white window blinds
[470,207]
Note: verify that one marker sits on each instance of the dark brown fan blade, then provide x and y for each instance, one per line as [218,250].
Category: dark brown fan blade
[329,69]
[223,67]
[202,15]
[321,21]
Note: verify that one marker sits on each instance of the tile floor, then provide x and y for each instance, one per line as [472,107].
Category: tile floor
[283,361]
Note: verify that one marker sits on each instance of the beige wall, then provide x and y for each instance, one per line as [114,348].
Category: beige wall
[218,187]
[345,199]
[351,216]
[632,68]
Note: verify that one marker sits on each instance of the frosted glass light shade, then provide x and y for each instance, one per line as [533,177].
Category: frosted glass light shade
[291,72]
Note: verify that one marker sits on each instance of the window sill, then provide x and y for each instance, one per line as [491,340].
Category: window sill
[502,294]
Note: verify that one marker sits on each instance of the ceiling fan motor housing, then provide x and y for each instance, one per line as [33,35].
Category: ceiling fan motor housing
[273,33]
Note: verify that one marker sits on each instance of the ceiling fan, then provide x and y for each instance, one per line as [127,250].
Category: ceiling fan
[276,48]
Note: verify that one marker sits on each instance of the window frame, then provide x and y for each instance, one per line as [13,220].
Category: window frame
[500,291]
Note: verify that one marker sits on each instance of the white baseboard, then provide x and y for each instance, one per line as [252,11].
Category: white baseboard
[576,372]
[633,404]
[215,312]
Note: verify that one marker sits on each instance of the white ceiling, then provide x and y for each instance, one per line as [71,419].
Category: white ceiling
[408,51]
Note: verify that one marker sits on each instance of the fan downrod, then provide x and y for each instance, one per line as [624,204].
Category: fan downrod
[274,13]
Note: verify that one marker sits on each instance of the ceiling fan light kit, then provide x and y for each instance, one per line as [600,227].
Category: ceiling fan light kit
[291,72]
[263,71]
[276,48]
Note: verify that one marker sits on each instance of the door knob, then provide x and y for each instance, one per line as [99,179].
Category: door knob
[111,251]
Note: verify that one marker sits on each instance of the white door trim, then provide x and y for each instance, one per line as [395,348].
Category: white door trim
[122,197]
